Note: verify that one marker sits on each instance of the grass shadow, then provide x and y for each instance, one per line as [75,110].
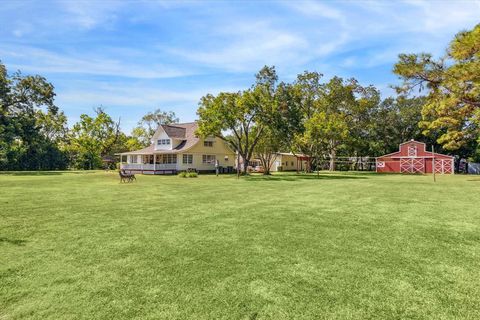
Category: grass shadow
[12,241]
[31,173]
[42,173]
[302,176]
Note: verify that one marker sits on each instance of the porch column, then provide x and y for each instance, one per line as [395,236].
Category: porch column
[154,162]
[120,167]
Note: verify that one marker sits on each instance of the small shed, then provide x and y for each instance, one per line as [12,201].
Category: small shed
[412,157]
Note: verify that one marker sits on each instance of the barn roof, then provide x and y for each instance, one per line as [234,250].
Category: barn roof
[427,154]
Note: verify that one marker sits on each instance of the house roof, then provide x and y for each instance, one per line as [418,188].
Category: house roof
[291,154]
[182,131]
[297,155]
[174,131]
[147,150]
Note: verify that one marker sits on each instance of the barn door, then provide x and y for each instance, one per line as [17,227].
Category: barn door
[412,165]
[418,165]
[443,166]
[405,165]
[448,166]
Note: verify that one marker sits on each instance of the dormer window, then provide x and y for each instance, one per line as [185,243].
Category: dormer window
[163,142]
[208,143]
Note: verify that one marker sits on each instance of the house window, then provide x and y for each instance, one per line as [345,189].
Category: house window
[208,158]
[148,159]
[163,142]
[208,143]
[169,158]
[292,163]
[188,158]
[133,159]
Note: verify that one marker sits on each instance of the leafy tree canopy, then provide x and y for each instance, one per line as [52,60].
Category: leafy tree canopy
[149,123]
[92,138]
[239,118]
[452,82]
[31,126]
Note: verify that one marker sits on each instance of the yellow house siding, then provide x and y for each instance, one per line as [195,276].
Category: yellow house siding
[218,149]
[287,162]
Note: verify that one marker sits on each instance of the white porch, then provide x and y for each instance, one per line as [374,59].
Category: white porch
[148,166]
[149,163]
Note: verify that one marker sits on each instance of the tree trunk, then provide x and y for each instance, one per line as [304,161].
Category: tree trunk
[333,155]
[238,165]
[245,166]
[266,170]
[266,159]
[266,165]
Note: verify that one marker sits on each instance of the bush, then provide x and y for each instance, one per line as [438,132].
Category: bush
[192,175]
[185,174]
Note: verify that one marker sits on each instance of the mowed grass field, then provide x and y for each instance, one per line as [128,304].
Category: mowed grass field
[80,245]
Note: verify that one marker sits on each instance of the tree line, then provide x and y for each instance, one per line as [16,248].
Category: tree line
[323,120]
[437,101]
[34,134]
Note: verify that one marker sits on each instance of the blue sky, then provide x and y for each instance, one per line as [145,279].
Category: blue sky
[135,56]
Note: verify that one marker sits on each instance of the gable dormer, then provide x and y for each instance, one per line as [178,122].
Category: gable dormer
[168,137]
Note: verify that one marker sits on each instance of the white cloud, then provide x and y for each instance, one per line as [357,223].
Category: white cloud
[126,95]
[218,42]
[318,9]
[249,53]
[447,15]
[21,29]
[91,14]
[247,46]
[132,100]
[132,94]
[31,59]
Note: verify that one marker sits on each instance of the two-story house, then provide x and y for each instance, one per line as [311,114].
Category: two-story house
[175,148]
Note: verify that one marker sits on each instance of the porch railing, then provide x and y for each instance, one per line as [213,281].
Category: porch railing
[148,166]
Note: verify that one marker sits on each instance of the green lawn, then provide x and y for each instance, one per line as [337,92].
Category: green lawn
[80,245]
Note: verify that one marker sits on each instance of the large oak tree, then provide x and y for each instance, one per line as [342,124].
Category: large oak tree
[32,128]
[239,118]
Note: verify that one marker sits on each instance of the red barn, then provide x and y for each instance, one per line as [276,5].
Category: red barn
[413,157]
